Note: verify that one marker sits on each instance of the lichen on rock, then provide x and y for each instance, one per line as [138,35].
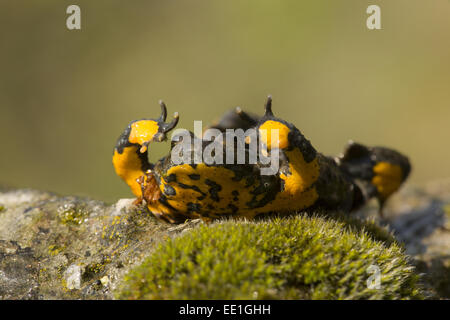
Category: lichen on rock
[64,247]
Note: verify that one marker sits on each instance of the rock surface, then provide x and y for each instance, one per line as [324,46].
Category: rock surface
[54,247]
[420,218]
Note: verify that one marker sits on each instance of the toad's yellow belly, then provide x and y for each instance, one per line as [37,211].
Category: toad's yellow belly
[214,191]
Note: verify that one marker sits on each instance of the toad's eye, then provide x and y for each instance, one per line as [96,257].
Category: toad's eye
[273,133]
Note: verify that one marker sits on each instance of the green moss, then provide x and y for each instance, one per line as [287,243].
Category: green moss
[299,257]
[355,224]
[2,208]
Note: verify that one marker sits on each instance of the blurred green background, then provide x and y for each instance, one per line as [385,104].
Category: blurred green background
[66,96]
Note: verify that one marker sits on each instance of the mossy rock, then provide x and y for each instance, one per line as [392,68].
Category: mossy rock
[57,247]
[300,257]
